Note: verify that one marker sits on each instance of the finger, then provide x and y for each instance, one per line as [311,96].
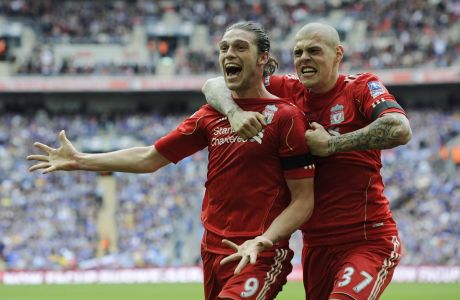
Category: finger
[39,166]
[241,265]
[253,257]
[37,157]
[233,257]
[251,129]
[261,119]
[316,125]
[230,244]
[43,147]
[63,137]
[256,125]
[50,169]
[244,133]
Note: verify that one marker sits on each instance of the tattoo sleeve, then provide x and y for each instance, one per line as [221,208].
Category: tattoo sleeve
[389,131]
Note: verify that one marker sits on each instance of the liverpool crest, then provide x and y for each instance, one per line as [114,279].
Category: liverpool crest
[269,113]
[337,114]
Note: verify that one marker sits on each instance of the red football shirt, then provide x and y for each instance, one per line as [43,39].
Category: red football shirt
[245,188]
[349,201]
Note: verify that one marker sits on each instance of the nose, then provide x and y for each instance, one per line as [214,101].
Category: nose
[305,56]
[230,52]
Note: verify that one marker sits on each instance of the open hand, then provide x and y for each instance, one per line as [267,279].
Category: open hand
[62,158]
[246,252]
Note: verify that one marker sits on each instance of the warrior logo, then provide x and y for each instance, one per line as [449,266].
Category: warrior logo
[337,114]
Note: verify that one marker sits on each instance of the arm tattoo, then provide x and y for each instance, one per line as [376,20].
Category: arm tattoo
[386,132]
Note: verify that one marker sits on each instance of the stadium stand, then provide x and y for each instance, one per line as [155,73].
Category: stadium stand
[49,222]
[178,37]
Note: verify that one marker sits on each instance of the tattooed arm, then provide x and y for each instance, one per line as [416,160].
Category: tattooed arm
[389,131]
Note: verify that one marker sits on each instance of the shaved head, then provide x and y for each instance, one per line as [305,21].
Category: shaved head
[317,56]
[323,32]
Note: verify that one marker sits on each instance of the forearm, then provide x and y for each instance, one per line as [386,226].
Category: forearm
[132,160]
[386,132]
[219,96]
[297,213]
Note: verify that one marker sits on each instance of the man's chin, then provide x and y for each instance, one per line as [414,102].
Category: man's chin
[233,86]
[308,82]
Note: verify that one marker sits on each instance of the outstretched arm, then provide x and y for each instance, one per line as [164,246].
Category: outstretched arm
[298,212]
[388,131]
[245,123]
[68,158]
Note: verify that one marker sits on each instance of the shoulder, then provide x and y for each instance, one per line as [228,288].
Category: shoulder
[365,84]
[203,114]
[287,107]
[282,79]
[360,79]
[205,111]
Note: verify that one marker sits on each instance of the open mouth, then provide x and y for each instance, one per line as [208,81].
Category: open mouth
[308,71]
[232,70]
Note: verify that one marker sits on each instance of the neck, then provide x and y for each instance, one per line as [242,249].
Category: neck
[327,86]
[255,91]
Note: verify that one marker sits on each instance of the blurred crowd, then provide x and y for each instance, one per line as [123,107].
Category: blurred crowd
[50,221]
[376,34]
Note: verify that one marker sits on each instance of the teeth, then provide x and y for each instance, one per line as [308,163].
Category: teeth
[307,69]
[232,65]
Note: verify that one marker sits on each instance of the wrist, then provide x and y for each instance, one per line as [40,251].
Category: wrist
[330,146]
[263,239]
[80,161]
[231,112]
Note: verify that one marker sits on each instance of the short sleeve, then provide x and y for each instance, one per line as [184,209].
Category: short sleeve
[189,137]
[373,97]
[296,159]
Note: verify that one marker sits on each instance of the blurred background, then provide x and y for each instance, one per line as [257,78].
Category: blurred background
[116,74]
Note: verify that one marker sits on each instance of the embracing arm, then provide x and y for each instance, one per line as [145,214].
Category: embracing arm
[298,212]
[68,158]
[386,132]
[245,123]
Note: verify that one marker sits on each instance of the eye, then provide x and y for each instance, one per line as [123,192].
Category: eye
[297,53]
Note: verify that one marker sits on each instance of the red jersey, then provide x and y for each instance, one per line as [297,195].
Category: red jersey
[245,188]
[349,201]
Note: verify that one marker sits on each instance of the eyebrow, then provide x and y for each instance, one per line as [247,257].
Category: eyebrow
[296,48]
[237,41]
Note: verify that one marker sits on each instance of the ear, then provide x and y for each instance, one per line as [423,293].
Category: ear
[339,53]
[263,58]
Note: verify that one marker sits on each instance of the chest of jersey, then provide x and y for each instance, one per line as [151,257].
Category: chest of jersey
[226,146]
[338,114]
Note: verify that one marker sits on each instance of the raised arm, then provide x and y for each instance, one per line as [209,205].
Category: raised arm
[68,158]
[298,212]
[245,123]
[386,132]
